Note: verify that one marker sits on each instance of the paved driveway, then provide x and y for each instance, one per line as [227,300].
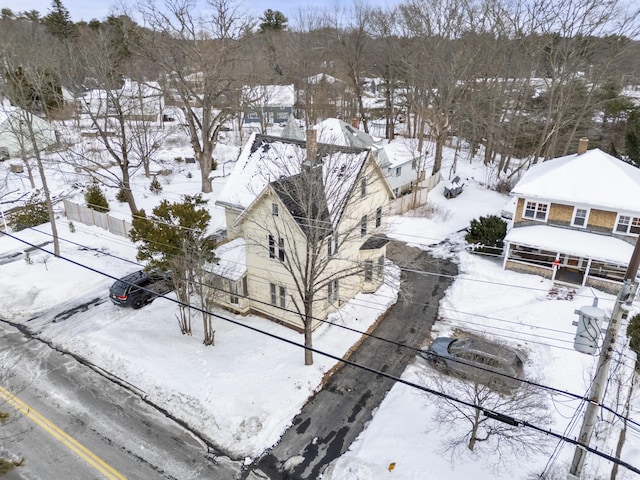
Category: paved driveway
[333,418]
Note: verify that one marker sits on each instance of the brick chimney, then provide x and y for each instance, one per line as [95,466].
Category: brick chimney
[355,123]
[312,146]
[583,144]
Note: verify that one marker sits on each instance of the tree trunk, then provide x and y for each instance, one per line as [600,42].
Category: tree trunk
[474,430]
[308,331]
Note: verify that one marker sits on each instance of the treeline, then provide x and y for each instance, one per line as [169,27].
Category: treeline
[513,79]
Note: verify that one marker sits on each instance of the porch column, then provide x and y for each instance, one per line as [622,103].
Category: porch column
[586,272]
[507,247]
[556,262]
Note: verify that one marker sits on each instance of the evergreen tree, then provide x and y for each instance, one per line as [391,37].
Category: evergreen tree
[163,235]
[34,213]
[95,199]
[58,22]
[486,235]
[632,137]
[273,21]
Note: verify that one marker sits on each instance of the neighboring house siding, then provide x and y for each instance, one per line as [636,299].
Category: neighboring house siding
[560,214]
[602,220]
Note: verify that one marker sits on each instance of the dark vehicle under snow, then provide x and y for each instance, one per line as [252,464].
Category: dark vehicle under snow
[140,288]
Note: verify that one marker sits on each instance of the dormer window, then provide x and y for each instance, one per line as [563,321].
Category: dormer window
[536,211]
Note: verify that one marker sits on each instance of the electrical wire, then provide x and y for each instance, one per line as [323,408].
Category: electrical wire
[551,389]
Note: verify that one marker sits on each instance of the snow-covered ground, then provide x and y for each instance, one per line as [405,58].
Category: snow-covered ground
[243,392]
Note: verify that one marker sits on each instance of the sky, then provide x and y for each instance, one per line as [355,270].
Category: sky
[87,10]
[229,402]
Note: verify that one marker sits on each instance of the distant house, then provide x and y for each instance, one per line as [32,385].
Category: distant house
[268,104]
[268,226]
[576,220]
[402,166]
[134,101]
[15,132]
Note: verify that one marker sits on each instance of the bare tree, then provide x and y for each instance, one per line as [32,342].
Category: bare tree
[323,207]
[31,73]
[199,55]
[122,116]
[476,431]
[353,41]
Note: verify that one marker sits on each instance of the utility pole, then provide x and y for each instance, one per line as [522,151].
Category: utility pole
[620,310]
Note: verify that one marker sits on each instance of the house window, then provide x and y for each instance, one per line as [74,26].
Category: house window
[274,297]
[363,226]
[332,245]
[233,290]
[536,211]
[398,171]
[332,291]
[368,270]
[396,192]
[378,217]
[272,248]
[363,186]
[274,209]
[628,225]
[278,295]
[580,217]
[380,266]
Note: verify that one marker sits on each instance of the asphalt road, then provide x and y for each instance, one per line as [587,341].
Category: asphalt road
[125,434]
[334,417]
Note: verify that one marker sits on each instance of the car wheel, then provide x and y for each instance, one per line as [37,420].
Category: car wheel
[137,303]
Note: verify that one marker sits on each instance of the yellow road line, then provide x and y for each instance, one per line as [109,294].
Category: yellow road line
[63,437]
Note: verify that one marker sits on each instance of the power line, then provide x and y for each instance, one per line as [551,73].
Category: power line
[488,412]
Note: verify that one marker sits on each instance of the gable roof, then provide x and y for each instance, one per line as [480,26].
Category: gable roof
[593,178]
[338,132]
[394,153]
[292,130]
[304,196]
[266,159]
[270,95]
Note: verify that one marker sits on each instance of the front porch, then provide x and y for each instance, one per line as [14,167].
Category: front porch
[568,256]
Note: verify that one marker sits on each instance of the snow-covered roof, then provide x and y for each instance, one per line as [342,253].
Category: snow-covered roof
[231,260]
[292,129]
[322,77]
[271,95]
[6,110]
[337,132]
[394,154]
[140,89]
[572,242]
[593,178]
[265,159]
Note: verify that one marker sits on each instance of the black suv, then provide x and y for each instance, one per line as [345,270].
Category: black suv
[139,288]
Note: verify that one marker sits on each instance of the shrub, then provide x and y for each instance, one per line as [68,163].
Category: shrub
[633,332]
[95,199]
[155,186]
[32,214]
[486,234]
[121,196]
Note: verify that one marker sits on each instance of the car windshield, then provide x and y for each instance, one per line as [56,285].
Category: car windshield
[456,347]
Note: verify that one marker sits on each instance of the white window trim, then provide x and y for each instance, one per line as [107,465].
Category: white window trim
[586,218]
[524,209]
[628,230]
